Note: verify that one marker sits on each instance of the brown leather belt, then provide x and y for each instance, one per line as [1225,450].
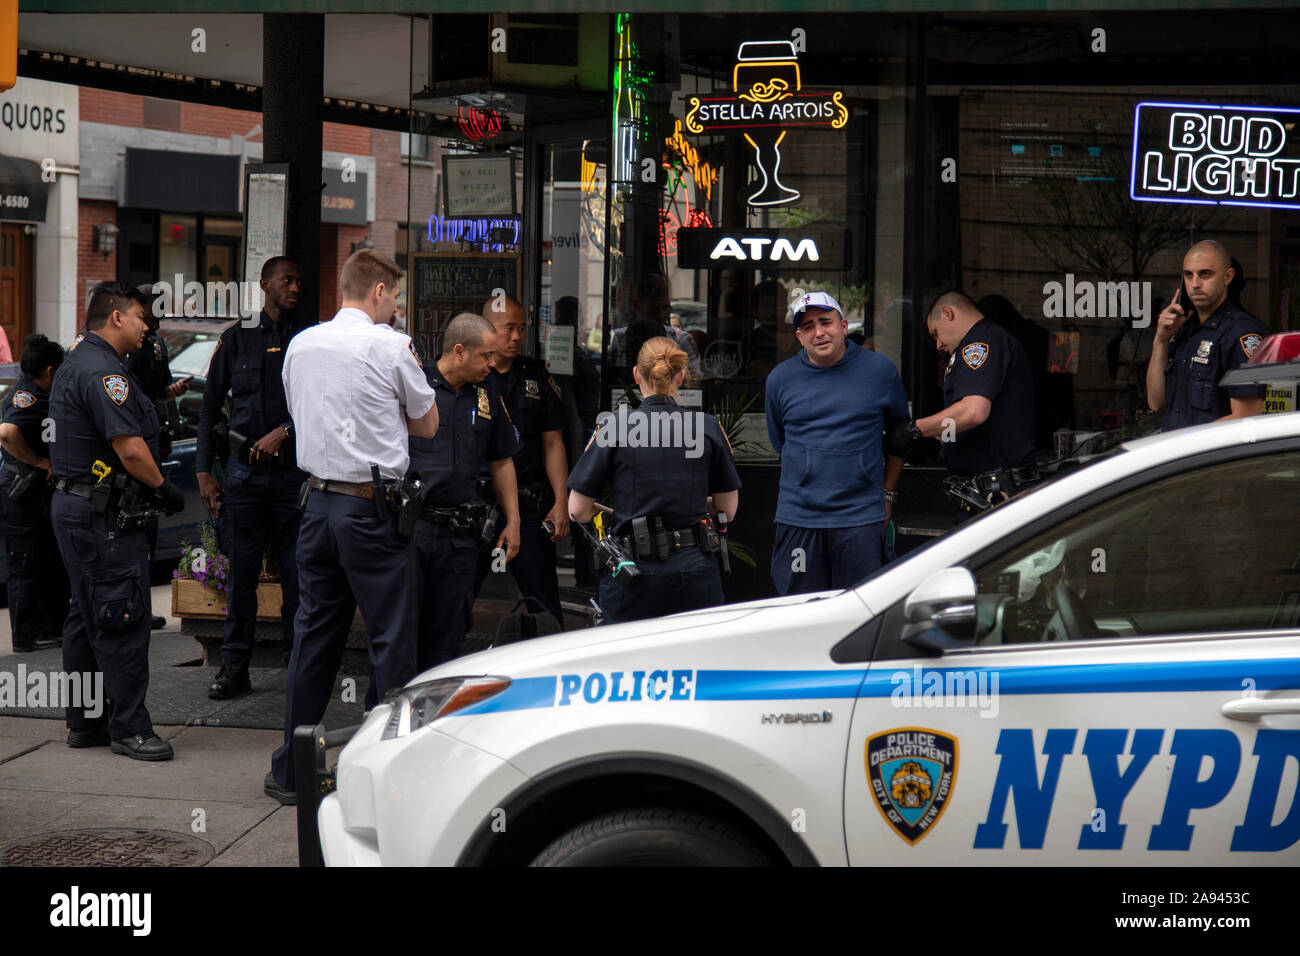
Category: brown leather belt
[355,489]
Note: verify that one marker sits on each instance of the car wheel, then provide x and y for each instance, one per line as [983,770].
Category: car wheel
[653,837]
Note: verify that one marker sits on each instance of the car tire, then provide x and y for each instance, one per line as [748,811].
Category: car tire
[656,836]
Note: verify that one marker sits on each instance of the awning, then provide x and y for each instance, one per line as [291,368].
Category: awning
[22,191]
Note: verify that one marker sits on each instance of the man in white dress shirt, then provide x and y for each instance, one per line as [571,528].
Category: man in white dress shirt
[355,391]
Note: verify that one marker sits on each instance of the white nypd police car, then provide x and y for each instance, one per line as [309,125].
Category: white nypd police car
[1105,670]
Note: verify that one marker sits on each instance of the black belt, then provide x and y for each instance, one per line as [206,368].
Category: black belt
[677,541]
[455,514]
[81,487]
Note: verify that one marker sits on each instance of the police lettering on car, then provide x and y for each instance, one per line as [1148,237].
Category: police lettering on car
[108,490]
[475,432]
[259,501]
[1194,349]
[541,465]
[38,584]
[665,462]
[354,389]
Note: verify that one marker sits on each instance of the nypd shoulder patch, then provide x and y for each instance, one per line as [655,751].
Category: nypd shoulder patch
[1250,344]
[911,771]
[24,399]
[975,354]
[117,388]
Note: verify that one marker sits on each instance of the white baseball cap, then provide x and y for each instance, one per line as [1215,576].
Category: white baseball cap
[814,300]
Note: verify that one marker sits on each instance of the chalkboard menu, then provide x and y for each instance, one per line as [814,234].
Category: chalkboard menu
[444,284]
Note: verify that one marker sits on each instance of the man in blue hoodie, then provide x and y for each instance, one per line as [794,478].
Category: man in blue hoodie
[827,410]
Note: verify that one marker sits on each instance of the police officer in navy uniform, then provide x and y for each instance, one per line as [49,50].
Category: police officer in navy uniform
[1193,350]
[262,478]
[663,496]
[151,366]
[38,584]
[541,465]
[103,420]
[475,432]
[355,389]
[987,424]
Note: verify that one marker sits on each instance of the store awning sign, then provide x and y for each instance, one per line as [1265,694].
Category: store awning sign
[1216,155]
[767,100]
[22,190]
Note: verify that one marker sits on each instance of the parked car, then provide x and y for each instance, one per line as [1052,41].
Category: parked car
[972,703]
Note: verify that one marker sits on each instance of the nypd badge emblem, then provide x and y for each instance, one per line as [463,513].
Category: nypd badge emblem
[1250,344]
[24,399]
[532,388]
[484,406]
[975,354]
[1203,347]
[911,771]
[117,388]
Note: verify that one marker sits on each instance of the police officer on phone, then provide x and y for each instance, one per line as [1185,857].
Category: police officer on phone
[262,478]
[38,584]
[541,464]
[1193,349]
[355,389]
[151,366]
[475,433]
[108,489]
[664,496]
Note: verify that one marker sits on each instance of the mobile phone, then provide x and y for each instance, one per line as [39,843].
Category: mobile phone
[548,527]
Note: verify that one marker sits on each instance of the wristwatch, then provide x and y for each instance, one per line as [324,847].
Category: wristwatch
[288,428]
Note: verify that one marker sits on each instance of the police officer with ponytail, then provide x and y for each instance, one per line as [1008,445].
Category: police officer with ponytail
[38,584]
[673,476]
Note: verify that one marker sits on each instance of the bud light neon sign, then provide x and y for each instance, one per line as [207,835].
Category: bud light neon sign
[1216,155]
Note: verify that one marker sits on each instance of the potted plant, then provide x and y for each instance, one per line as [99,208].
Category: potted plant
[201,582]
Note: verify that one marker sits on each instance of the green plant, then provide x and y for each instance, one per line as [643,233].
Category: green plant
[730,413]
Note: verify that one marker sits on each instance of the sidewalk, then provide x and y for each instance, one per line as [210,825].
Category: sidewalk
[211,792]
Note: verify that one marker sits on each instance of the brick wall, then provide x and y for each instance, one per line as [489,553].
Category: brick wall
[92,266]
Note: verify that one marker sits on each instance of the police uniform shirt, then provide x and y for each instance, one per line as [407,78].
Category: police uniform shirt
[150,366]
[663,481]
[1200,355]
[92,401]
[535,405]
[473,430]
[351,385]
[26,406]
[992,364]
[247,363]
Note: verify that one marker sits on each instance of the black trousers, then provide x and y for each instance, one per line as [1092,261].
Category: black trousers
[38,584]
[533,567]
[107,628]
[445,563]
[259,504]
[685,581]
[347,558]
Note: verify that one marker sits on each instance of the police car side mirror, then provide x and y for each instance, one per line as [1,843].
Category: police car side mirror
[940,613]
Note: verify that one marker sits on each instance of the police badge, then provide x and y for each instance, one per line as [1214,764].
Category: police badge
[1250,344]
[911,771]
[117,388]
[24,399]
[975,354]
[532,388]
[484,406]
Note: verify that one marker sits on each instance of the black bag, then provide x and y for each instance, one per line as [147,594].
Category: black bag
[521,625]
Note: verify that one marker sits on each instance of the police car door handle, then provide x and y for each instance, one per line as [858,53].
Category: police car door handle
[1253,708]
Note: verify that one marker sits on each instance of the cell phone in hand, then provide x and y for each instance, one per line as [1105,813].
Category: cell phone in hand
[548,527]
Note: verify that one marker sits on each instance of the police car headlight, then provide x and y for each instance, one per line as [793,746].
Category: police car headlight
[421,704]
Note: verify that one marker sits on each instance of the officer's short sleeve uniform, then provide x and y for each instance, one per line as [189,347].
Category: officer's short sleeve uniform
[26,406]
[1199,356]
[991,364]
[474,429]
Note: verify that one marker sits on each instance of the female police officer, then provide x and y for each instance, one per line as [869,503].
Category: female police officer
[38,584]
[664,461]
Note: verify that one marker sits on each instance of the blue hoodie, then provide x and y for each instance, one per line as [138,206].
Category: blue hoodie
[827,425]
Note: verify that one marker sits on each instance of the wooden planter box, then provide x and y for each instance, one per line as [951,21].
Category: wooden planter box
[190,599]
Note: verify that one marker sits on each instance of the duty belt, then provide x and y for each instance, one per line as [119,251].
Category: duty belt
[464,517]
[81,487]
[692,537]
[357,489]
[976,493]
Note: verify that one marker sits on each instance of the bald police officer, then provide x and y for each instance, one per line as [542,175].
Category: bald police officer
[1193,349]
[105,452]
[475,432]
[354,388]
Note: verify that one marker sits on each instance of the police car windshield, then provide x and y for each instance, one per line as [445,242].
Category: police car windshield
[195,357]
